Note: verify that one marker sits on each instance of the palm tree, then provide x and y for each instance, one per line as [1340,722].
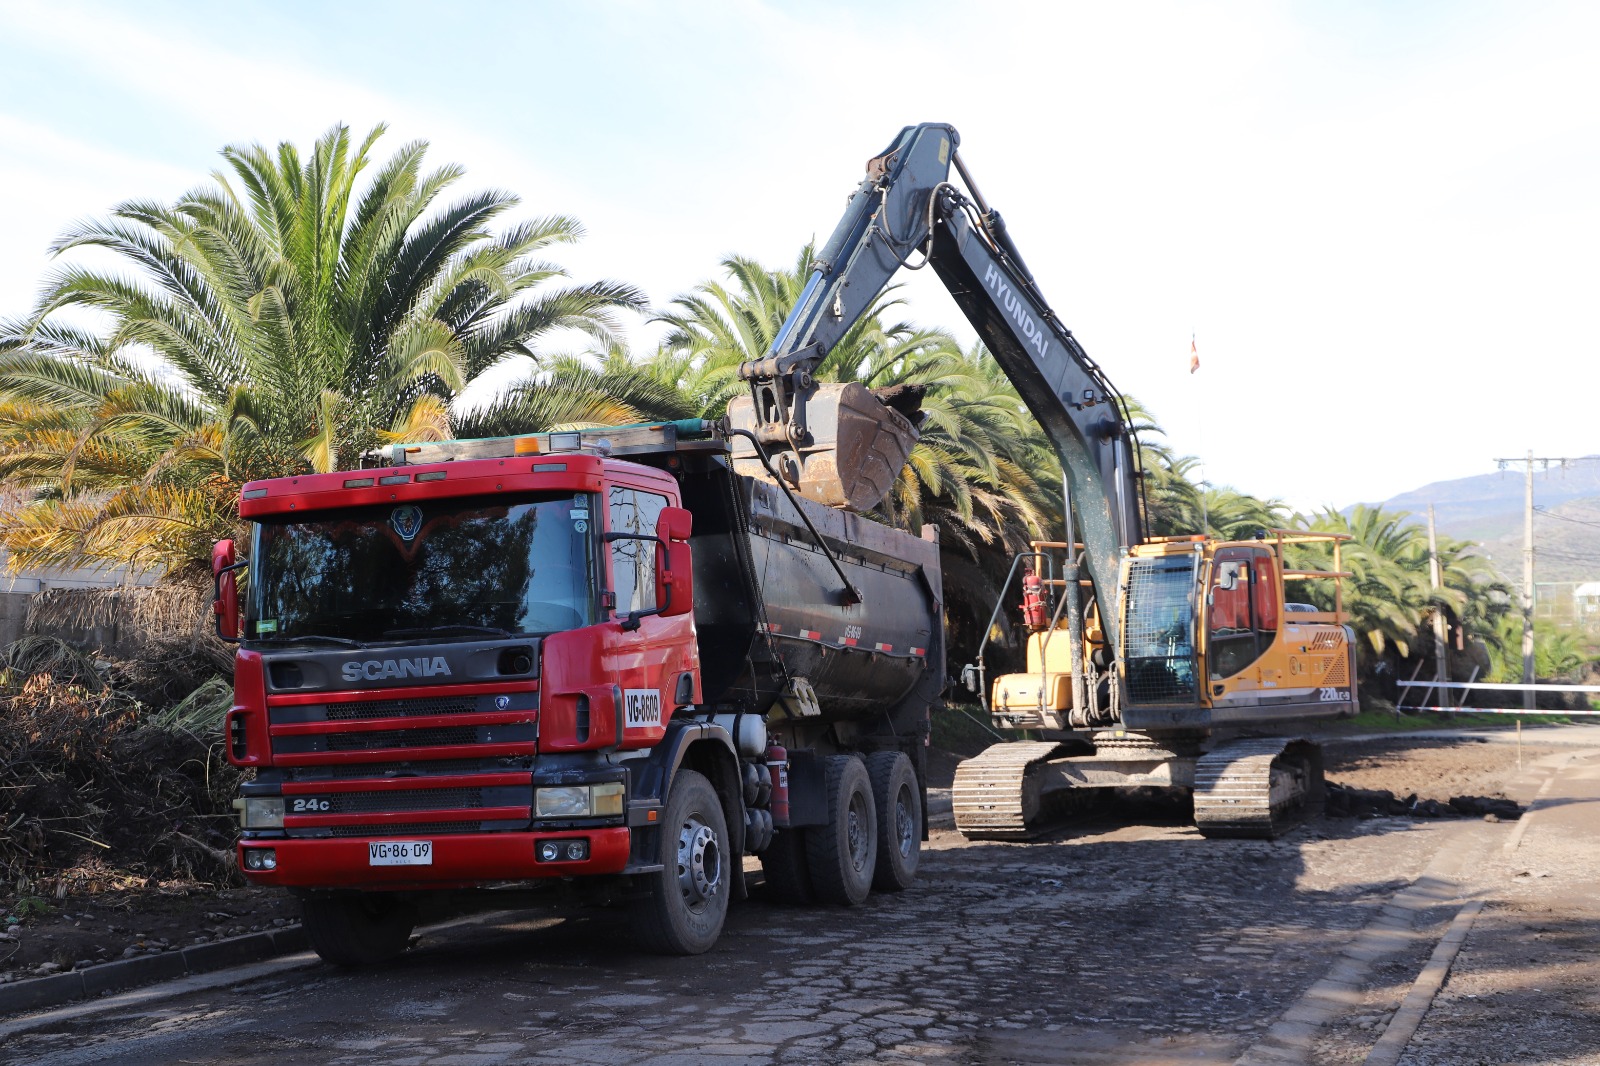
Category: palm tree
[982,470]
[607,388]
[1233,515]
[1383,595]
[1390,595]
[1173,501]
[277,320]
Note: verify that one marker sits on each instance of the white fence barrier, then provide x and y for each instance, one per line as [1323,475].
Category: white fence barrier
[1495,687]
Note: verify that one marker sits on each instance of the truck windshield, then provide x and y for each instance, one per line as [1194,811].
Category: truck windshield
[447,567]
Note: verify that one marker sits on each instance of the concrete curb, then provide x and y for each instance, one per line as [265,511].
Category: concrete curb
[1404,1023]
[92,981]
[1290,1039]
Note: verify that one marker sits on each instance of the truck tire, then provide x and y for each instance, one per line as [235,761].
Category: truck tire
[899,810]
[784,865]
[843,852]
[357,930]
[686,901]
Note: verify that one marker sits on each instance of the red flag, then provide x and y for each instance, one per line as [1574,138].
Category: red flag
[1194,356]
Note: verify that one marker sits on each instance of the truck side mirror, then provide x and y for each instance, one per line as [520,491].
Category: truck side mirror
[225,601]
[674,564]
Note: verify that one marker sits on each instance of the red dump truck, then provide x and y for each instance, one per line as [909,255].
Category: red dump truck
[608,657]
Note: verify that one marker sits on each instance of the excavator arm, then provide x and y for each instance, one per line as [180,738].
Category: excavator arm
[906,209]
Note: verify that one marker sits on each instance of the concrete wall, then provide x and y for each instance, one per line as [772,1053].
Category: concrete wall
[17,589]
[13,613]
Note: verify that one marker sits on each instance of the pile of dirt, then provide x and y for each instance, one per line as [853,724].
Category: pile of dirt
[1348,802]
[108,810]
[93,795]
[85,790]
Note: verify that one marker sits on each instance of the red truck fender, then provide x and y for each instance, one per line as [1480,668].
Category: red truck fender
[694,744]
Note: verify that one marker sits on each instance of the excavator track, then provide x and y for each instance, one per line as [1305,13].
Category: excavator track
[1258,788]
[996,794]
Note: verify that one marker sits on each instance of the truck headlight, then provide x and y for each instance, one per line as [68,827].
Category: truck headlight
[608,798]
[569,801]
[262,812]
[579,801]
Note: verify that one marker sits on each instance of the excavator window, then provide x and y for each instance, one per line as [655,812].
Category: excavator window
[1158,631]
[1244,608]
[1265,595]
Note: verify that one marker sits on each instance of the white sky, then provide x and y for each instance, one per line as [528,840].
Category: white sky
[1380,220]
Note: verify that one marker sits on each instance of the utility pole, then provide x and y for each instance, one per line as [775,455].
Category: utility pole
[1527,563]
[1441,670]
[1528,700]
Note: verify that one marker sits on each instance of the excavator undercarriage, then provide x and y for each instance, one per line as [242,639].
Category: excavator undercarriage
[1252,787]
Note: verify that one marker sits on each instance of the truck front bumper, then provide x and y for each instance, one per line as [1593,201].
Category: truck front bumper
[456,860]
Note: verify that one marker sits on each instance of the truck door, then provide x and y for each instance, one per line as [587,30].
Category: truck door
[649,662]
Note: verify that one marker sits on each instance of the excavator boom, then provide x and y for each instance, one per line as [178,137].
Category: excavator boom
[906,209]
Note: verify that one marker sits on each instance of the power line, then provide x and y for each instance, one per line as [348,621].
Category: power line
[1546,512]
[1557,553]
[1561,461]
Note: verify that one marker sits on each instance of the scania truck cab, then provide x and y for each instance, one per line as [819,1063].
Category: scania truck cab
[479,665]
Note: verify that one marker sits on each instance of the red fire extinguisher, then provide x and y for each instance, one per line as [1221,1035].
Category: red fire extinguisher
[1034,612]
[778,765]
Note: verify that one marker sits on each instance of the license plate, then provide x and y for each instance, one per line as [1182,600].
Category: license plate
[400,853]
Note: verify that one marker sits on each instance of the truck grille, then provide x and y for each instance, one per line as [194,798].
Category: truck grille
[412,829]
[422,799]
[402,738]
[403,769]
[346,712]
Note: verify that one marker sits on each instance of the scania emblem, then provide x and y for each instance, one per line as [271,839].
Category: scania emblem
[502,702]
[406,520]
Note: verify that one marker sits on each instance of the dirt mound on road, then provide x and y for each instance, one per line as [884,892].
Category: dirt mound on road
[1346,802]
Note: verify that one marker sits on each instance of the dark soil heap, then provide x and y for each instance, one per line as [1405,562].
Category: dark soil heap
[96,797]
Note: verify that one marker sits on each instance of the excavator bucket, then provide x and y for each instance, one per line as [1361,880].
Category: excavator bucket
[853,451]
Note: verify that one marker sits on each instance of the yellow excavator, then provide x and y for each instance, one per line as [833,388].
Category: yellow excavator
[1210,649]
[1179,662]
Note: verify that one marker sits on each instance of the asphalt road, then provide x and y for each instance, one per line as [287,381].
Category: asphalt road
[1112,942]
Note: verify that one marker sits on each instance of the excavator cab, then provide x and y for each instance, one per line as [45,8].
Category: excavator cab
[1243,608]
[1209,639]
[1263,654]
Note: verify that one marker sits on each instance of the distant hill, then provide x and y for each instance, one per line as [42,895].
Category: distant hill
[1488,509]
[1487,506]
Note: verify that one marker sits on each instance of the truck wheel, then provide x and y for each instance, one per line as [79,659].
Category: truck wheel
[899,810]
[843,853]
[687,900]
[783,863]
[357,930]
